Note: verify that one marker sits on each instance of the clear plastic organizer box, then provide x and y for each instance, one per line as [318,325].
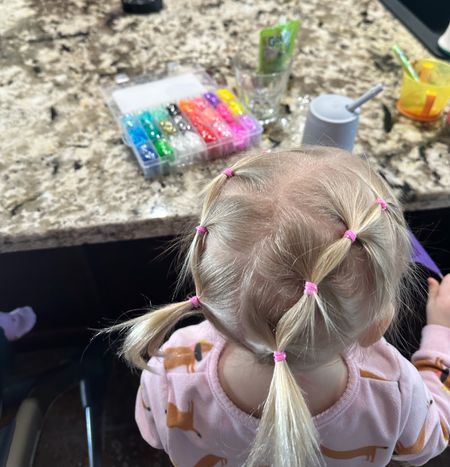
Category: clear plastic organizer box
[180,118]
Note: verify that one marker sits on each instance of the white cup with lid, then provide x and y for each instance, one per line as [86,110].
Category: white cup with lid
[330,123]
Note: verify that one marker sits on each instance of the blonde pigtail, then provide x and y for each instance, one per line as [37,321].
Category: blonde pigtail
[301,318]
[193,256]
[330,259]
[211,192]
[295,432]
[286,433]
[145,334]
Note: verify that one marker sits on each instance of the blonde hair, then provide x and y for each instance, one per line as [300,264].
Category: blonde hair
[276,223]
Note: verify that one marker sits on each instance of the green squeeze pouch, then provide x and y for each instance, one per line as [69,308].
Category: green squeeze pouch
[276,46]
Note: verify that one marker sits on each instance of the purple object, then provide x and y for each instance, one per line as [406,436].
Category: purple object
[212,98]
[241,140]
[422,257]
[248,122]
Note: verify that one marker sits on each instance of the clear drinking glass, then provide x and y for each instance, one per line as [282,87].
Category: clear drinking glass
[261,93]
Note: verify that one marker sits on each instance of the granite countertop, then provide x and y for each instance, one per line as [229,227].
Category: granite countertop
[66,178]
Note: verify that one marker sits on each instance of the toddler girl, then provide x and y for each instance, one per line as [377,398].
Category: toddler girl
[297,264]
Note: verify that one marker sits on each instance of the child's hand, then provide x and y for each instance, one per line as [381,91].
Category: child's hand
[438,304]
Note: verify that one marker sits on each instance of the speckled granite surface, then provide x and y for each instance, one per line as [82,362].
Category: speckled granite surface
[65,176]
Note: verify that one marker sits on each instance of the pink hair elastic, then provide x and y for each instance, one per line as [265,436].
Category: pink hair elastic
[195,300]
[350,235]
[201,229]
[382,203]
[228,172]
[310,288]
[279,356]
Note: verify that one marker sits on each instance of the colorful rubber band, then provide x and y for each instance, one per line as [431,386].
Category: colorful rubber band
[195,300]
[350,235]
[382,203]
[310,288]
[201,229]
[228,172]
[279,356]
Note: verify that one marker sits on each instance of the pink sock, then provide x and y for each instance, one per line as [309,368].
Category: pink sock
[18,322]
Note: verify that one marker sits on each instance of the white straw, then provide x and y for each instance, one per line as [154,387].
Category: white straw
[365,97]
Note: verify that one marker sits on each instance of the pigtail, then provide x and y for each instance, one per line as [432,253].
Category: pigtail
[145,334]
[212,191]
[331,258]
[295,432]
[193,256]
[286,433]
[192,259]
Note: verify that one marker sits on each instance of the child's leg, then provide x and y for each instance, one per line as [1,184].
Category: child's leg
[17,323]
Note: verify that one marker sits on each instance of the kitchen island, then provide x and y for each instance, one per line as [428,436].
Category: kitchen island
[67,179]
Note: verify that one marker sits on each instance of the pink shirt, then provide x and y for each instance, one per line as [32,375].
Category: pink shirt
[389,409]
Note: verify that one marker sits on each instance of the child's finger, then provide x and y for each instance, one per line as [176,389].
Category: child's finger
[433,288]
[446,280]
